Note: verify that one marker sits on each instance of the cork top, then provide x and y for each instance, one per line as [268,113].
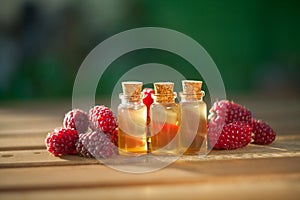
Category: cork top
[132,89]
[164,88]
[163,92]
[192,89]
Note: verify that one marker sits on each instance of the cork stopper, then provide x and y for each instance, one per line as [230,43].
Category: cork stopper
[132,89]
[164,92]
[164,88]
[192,89]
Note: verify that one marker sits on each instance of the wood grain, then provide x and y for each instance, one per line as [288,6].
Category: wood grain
[28,171]
[41,178]
[22,141]
[34,158]
[285,146]
[285,188]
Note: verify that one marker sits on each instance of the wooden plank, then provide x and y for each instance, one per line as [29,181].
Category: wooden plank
[13,156]
[29,116]
[49,107]
[30,126]
[34,133]
[287,146]
[15,117]
[42,178]
[32,117]
[286,188]
[35,158]
[22,141]
[255,171]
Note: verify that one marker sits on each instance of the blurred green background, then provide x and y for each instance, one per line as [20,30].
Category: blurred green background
[255,44]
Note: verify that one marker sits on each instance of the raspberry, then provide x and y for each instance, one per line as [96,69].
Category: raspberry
[102,119]
[227,111]
[62,141]
[148,100]
[76,119]
[231,136]
[114,137]
[80,148]
[95,144]
[262,132]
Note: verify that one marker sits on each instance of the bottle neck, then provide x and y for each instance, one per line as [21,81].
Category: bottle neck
[163,98]
[191,97]
[132,100]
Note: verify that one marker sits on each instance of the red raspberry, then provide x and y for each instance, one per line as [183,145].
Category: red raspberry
[102,119]
[225,112]
[95,144]
[62,141]
[80,148]
[114,137]
[77,119]
[231,136]
[148,100]
[262,132]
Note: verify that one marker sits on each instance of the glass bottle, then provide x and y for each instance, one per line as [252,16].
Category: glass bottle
[193,126]
[132,119]
[164,122]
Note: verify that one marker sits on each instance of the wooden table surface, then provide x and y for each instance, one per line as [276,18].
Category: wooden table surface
[27,171]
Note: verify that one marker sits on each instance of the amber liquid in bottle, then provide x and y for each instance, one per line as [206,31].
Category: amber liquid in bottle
[164,139]
[164,129]
[132,127]
[193,118]
[193,127]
